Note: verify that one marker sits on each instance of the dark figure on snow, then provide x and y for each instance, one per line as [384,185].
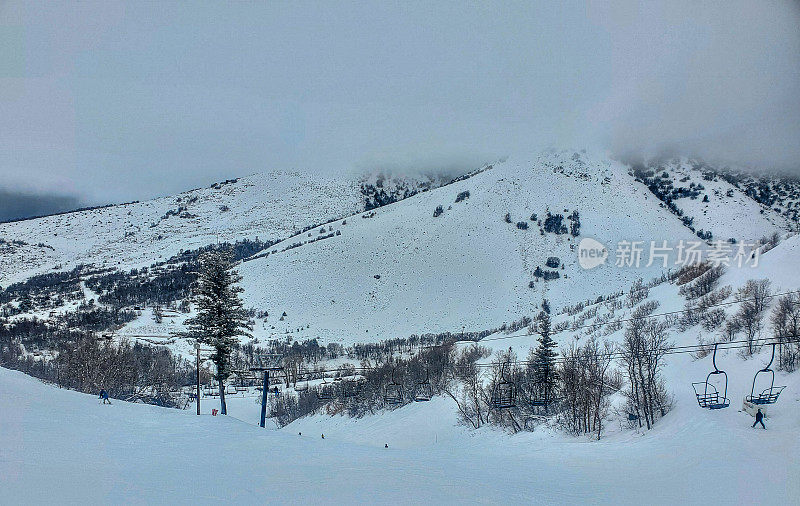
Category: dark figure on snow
[323,436]
[759,419]
[104,396]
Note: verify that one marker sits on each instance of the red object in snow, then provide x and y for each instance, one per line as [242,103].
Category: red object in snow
[213,412]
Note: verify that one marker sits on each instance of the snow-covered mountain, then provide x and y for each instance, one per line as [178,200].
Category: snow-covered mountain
[432,257]
[719,202]
[403,269]
[272,205]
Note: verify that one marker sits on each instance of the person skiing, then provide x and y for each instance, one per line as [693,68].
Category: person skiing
[104,396]
[760,419]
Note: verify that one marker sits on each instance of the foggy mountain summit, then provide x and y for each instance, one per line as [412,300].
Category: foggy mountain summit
[114,107]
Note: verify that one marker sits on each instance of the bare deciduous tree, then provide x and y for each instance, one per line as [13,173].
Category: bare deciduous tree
[643,349]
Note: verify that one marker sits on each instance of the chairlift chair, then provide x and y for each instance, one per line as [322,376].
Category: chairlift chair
[541,401]
[423,391]
[394,392]
[768,395]
[504,394]
[708,396]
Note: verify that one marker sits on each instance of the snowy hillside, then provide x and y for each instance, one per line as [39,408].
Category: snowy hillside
[471,255]
[400,270]
[713,201]
[272,205]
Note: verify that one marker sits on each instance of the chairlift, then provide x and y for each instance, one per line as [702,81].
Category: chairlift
[504,394]
[710,397]
[541,400]
[394,392]
[768,395]
[423,391]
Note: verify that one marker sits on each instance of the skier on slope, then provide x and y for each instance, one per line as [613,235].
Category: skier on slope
[104,396]
[760,419]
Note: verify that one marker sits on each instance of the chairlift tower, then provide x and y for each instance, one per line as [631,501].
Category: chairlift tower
[269,362]
[198,348]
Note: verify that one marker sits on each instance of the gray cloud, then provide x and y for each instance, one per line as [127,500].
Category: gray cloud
[15,205]
[122,101]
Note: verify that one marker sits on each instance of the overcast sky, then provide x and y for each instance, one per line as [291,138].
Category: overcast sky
[116,101]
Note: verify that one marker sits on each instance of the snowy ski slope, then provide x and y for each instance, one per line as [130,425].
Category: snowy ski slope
[64,447]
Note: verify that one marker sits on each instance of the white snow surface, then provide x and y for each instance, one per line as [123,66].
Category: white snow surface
[64,447]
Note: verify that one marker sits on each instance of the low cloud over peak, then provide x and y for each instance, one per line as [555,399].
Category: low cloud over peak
[126,108]
[16,205]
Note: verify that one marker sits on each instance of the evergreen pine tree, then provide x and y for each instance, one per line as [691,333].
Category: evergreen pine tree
[544,361]
[221,316]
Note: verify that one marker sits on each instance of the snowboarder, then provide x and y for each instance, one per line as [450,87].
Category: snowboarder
[104,396]
[323,436]
[386,445]
[760,419]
